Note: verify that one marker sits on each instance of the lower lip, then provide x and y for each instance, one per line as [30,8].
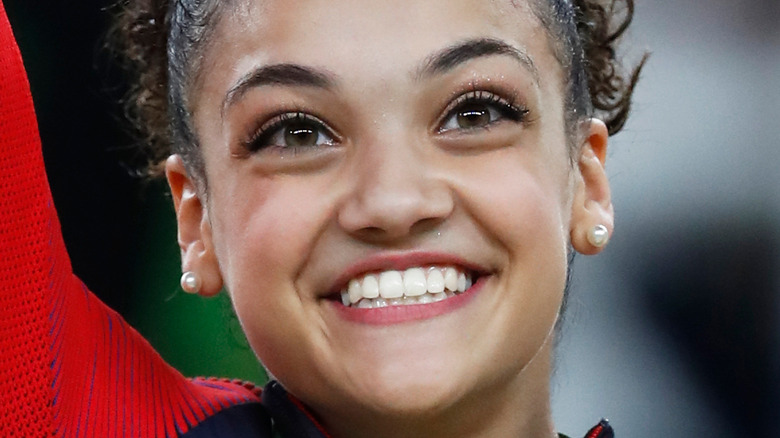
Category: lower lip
[409,313]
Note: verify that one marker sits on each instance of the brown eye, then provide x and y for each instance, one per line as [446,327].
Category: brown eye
[301,135]
[473,116]
[293,131]
[478,110]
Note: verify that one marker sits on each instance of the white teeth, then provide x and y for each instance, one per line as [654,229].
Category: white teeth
[355,292]
[414,282]
[412,300]
[413,286]
[391,284]
[370,287]
[425,299]
[375,303]
[396,302]
[461,282]
[451,279]
[435,281]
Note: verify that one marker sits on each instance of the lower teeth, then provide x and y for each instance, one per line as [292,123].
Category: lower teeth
[425,298]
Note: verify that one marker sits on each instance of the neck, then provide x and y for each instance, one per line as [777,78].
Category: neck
[516,406]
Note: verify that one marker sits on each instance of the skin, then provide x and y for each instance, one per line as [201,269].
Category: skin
[279,227]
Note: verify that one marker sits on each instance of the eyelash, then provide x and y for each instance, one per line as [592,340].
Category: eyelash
[261,137]
[507,109]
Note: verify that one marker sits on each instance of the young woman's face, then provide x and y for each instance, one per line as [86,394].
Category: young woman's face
[373,152]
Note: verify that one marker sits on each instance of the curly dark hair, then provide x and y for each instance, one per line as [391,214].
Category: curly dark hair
[161,40]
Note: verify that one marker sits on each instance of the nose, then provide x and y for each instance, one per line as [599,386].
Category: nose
[395,193]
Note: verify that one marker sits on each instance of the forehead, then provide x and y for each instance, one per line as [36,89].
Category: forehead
[371,34]
[329,17]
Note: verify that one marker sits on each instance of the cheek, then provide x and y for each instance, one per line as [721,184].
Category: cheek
[263,225]
[518,198]
[521,204]
[262,237]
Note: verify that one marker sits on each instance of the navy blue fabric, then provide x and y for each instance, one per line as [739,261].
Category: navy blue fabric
[280,416]
[247,420]
[288,419]
[291,422]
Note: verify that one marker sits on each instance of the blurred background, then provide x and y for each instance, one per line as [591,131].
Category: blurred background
[672,331]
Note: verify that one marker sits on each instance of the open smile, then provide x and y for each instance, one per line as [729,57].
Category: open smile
[406,288]
[412,286]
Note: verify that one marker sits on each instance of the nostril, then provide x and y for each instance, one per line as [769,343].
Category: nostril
[389,203]
[398,232]
[372,232]
[426,225]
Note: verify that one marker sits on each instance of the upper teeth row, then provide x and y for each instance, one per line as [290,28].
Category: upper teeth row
[412,282]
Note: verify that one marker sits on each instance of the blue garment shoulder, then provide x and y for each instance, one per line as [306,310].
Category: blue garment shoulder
[248,420]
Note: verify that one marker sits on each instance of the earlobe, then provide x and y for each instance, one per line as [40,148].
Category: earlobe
[194,229]
[592,221]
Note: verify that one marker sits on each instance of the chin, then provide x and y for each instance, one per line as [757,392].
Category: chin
[414,391]
[408,400]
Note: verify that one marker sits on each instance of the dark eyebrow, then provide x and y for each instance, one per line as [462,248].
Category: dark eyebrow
[278,74]
[453,56]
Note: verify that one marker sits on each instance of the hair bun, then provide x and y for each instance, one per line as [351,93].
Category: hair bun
[140,36]
[600,24]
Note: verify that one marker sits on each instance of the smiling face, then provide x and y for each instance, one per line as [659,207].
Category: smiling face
[390,202]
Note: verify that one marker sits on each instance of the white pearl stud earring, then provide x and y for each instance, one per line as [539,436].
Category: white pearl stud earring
[598,236]
[190,282]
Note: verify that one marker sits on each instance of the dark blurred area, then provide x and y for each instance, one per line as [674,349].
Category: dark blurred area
[87,149]
[712,287]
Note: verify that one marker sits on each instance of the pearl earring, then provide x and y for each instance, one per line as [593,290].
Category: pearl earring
[190,282]
[598,236]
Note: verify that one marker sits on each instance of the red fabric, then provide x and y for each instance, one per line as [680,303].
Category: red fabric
[69,366]
[27,245]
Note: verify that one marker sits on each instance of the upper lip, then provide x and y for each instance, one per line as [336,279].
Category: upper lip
[402,261]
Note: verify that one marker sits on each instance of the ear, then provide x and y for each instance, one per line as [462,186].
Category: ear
[592,204]
[194,235]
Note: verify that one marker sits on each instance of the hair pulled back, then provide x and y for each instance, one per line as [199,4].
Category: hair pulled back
[162,41]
